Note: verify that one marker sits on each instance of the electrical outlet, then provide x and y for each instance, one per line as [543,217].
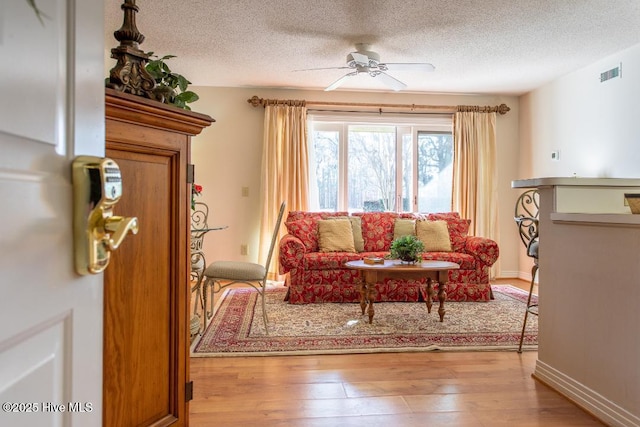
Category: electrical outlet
[555,155]
[243,249]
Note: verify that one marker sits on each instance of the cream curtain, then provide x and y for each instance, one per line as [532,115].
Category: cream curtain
[284,170]
[475,187]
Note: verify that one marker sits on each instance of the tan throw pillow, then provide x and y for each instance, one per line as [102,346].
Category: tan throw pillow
[404,227]
[434,236]
[356,228]
[335,235]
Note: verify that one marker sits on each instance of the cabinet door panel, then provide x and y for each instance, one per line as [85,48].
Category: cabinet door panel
[139,285]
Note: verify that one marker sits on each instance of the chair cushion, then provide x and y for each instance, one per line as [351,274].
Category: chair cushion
[197,263]
[235,270]
[532,250]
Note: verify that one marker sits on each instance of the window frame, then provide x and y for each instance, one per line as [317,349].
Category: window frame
[405,125]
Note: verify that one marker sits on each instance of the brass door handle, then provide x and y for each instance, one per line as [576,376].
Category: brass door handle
[119,227]
[97,187]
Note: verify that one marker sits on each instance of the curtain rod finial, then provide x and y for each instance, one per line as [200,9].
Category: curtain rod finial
[503,109]
[255,101]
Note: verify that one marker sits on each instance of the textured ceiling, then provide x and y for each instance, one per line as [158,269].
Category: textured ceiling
[490,46]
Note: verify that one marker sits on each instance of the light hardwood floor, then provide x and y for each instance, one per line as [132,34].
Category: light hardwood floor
[388,389]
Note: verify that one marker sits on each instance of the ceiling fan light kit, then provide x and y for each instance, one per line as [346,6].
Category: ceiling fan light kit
[367,61]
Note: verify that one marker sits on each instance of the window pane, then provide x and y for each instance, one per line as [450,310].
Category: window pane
[325,146]
[435,171]
[371,168]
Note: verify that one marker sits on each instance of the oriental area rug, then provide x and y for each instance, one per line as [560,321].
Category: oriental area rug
[236,329]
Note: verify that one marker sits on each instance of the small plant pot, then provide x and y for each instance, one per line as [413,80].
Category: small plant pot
[164,94]
[407,249]
[408,258]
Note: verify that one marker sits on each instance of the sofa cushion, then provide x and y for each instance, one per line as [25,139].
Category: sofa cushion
[458,232]
[356,227]
[377,230]
[458,228]
[304,226]
[465,261]
[328,260]
[404,227]
[335,235]
[434,216]
[297,215]
[307,231]
[434,235]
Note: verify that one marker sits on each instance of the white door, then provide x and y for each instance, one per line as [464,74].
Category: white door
[51,109]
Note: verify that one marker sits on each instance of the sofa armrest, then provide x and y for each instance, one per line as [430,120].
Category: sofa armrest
[483,249]
[291,252]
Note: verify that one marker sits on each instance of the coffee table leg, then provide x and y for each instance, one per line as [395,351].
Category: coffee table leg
[429,299]
[363,293]
[370,288]
[442,296]
[368,282]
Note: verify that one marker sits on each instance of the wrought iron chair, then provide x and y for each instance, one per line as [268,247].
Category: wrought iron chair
[199,227]
[526,217]
[221,274]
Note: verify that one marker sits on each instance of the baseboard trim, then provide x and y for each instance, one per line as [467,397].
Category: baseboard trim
[527,277]
[522,275]
[508,275]
[589,400]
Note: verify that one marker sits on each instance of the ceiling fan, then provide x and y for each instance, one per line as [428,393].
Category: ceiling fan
[364,60]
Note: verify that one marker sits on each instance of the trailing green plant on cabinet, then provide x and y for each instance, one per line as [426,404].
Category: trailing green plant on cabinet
[171,88]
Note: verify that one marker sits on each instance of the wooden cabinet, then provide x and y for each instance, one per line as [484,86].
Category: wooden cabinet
[146,287]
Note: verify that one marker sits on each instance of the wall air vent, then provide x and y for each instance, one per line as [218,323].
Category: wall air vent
[610,74]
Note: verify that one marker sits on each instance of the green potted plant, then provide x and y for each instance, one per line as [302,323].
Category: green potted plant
[407,249]
[171,88]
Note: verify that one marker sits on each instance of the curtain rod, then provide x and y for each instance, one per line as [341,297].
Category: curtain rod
[262,102]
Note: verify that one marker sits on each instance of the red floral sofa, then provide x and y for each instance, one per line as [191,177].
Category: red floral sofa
[315,277]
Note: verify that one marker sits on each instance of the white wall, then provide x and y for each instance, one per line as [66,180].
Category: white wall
[589,323]
[593,125]
[227,157]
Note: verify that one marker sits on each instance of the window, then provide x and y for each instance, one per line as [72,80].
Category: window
[361,164]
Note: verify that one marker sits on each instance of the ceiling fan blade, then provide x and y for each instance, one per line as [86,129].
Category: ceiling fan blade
[327,68]
[392,82]
[409,66]
[341,80]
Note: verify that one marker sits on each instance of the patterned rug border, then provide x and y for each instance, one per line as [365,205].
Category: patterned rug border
[313,345]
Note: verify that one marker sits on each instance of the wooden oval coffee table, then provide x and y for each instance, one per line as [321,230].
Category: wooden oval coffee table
[370,274]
